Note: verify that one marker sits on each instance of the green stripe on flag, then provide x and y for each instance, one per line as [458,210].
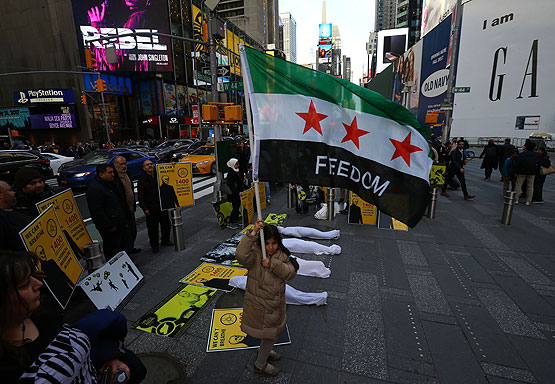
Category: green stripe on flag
[272,75]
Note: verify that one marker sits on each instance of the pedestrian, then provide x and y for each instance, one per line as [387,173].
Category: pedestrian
[490,154]
[264,312]
[539,179]
[108,210]
[124,183]
[30,188]
[505,151]
[456,168]
[156,220]
[243,156]
[526,171]
[235,183]
[11,220]
[509,171]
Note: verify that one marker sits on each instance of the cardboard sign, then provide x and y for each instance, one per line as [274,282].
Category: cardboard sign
[108,286]
[226,334]
[361,212]
[387,222]
[175,185]
[247,204]
[262,194]
[176,312]
[223,212]
[213,276]
[72,223]
[276,219]
[437,175]
[44,237]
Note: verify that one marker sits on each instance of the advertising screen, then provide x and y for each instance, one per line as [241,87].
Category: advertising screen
[324,30]
[14,118]
[391,45]
[97,19]
[324,53]
[52,116]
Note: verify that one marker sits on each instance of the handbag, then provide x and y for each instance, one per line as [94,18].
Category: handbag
[225,188]
[547,170]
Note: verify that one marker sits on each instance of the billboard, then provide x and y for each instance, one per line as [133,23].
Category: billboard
[434,72]
[406,78]
[392,43]
[97,19]
[53,116]
[434,12]
[14,118]
[47,95]
[324,31]
[508,66]
[324,53]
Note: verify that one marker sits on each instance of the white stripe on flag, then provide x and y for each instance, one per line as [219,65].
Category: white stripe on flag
[275,117]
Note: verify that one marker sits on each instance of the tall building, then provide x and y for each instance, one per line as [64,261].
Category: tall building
[336,51]
[258,18]
[289,36]
[386,11]
[409,15]
[346,68]
[371,51]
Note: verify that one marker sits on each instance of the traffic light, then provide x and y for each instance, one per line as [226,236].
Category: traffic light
[90,59]
[209,112]
[100,85]
[83,99]
[233,113]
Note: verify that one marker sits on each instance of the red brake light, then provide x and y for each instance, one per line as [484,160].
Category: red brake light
[45,161]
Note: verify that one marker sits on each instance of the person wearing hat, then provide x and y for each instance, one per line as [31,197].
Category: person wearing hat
[236,185]
[29,188]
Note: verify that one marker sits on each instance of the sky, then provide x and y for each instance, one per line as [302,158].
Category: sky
[355,19]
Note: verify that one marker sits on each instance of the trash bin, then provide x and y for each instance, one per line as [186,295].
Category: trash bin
[93,256]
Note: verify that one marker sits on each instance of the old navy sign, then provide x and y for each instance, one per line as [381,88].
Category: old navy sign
[43,95]
[117,85]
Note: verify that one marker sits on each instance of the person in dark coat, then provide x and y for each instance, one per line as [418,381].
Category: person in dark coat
[235,182]
[108,210]
[29,188]
[456,168]
[149,201]
[11,220]
[505,151]
[243,155]
[491,158]
[526,171]
[125,185]
[509,171]
[543,161]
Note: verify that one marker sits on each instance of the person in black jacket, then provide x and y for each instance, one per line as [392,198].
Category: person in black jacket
[108,210]
[11,220]
[539,179]
[456,168]
[149,201]
[490,156]
[30,188]
[235,182]
[526,171]
[505,151]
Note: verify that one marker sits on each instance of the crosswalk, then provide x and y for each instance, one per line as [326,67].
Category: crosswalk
[202,186]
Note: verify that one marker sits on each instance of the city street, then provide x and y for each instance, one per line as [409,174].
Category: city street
[461,298]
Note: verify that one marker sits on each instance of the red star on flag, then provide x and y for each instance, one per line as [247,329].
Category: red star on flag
[312,119]
[353,133]
[404,149]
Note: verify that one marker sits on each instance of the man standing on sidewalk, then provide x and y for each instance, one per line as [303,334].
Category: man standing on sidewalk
[526,171]
[149,201]
[108,211]
[125,185]
[30,188]
[456,168]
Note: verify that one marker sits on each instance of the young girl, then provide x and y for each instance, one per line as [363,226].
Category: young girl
[264,306]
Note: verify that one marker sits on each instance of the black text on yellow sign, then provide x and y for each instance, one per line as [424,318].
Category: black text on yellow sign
[361,212]
[213,276]
[175,185]
[70,219]
[44,237]
[247,200]
[437,175]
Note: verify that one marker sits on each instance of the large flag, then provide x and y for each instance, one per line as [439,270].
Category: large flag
[311,128]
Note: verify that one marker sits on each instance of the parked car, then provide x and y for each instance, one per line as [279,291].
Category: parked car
[79,173]
[57,160]
[183,151]
[203,160]
[164,151]
[12,160]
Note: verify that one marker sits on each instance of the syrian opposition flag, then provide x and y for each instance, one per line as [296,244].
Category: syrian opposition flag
[311,128]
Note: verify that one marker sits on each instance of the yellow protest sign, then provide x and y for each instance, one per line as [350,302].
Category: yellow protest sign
[213,276]
[276,219]
[361,212]
[387,222]
[262,194]
[247,204]
[44,237]
[437,175]
[226,334]
[70,219]
[176,312]
[175,185]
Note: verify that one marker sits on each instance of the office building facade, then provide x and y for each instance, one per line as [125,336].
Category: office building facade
[289,36]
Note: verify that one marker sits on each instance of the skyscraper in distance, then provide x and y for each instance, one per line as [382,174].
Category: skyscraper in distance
[289,36]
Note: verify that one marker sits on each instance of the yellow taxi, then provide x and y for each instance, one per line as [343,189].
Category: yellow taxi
[203,160]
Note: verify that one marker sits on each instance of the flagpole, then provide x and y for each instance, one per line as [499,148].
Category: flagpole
[255,178]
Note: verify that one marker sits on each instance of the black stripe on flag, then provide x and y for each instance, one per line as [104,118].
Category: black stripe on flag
[403,196]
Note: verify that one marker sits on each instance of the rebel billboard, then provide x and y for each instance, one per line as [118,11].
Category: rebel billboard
[97,21]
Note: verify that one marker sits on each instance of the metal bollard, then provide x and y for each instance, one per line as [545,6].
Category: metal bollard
[93,256]
[331,203]
[289,196]
[177,225]
[509,200]
[432,205]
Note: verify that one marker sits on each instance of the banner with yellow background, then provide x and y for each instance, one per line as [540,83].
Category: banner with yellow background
[361,212]
[175,185]
[213,276]
[44,237]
